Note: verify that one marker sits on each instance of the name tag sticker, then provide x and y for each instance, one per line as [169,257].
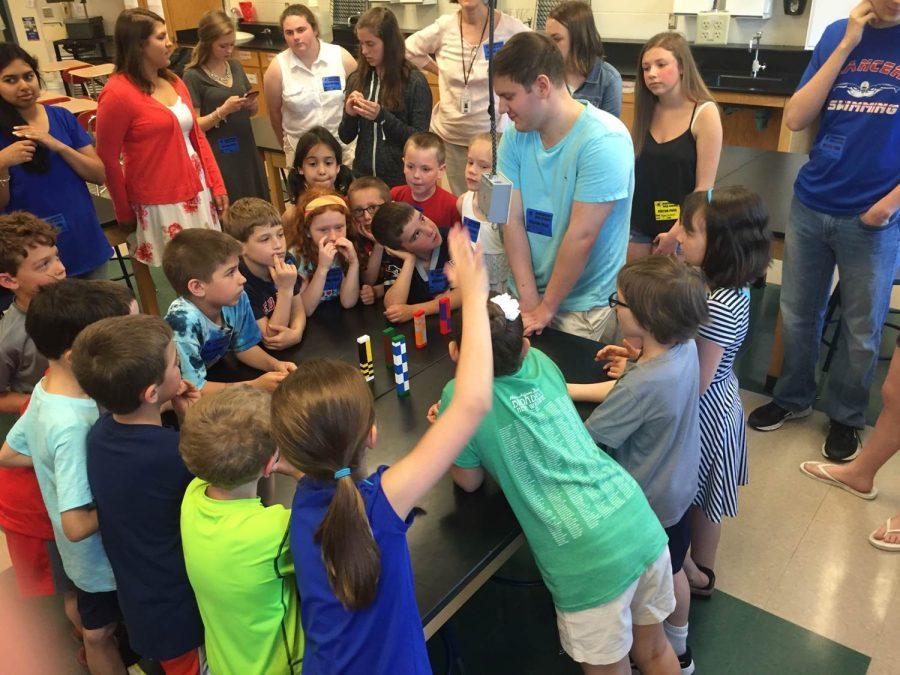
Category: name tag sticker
[539,222]
[490,50]
[473,226]
[664,210]
[228,146]
[437,282]
[331,83]
[58,221]
[832,145]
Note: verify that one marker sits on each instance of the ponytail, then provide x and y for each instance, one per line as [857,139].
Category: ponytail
[351,556]
[322,415]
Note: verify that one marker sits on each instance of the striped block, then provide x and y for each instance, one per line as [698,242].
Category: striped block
[401,365]
[366,362]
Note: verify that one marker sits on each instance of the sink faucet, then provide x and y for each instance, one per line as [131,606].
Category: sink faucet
[754,47]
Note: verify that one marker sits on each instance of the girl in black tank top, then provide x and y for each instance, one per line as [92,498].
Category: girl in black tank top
[664,174]
[667,87]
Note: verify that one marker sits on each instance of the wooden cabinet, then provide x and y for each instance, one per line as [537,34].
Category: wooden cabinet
[256,84]
[254,64]
[184,15]
[433,85]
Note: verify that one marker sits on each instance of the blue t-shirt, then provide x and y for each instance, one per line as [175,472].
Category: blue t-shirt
[333,278]
[593,163]
[387,636]
[53,432]
[263,293]
[201,342]
[855,159]
[61,197]
[650,423]
[138,480]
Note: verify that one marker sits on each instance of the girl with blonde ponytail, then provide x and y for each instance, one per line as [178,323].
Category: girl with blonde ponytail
[348,530]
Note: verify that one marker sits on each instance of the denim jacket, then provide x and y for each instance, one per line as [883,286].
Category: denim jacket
[602,88]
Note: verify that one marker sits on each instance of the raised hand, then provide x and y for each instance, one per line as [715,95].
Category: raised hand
[284,275]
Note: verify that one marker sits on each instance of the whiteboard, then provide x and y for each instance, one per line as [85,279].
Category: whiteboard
[824,12]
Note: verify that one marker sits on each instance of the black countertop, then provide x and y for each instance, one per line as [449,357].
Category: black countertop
[719,64]
[456,534]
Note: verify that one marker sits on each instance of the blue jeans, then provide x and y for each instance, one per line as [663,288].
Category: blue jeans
[866,259]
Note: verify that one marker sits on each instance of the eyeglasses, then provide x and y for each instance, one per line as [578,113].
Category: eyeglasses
[614,300]
[371,209]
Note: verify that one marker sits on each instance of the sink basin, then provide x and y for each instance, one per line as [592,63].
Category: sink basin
[749,83]
[242,37]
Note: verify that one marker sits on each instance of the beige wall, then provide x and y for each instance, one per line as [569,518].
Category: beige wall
[616,19]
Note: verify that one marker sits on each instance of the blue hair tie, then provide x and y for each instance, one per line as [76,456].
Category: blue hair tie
[709,196]
[340,473]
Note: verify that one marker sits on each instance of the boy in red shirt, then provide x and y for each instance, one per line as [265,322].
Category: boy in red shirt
[423,166]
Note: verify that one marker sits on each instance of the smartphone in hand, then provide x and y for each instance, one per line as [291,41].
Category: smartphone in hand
[250,95]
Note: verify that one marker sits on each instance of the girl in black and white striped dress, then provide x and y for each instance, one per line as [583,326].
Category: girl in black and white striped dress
[726,234]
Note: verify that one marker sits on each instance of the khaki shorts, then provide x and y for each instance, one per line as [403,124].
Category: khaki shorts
[602,635]
[597,324]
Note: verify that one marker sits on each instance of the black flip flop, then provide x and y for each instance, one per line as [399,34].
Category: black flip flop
[704,591]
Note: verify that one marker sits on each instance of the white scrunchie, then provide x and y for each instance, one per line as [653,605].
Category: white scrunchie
[508,304]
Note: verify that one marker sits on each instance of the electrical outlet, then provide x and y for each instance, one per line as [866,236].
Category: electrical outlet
[673,21]
[712,28]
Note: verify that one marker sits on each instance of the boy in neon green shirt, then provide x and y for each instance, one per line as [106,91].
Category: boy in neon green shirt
[236,550]
[600,549]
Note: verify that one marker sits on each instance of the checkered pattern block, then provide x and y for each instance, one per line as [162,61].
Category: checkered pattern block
[401,365]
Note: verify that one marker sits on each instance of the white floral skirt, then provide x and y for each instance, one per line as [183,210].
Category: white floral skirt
[158,223]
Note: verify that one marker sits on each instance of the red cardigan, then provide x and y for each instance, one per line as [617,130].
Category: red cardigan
[156,167]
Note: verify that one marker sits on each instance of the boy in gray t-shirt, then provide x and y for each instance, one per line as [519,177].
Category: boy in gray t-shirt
[28,260]
[650,422]
[649,418]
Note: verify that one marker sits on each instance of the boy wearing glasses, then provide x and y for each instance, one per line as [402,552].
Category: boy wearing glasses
[649,418]
[365,196]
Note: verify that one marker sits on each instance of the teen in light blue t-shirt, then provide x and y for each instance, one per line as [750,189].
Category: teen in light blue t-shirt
[594,163]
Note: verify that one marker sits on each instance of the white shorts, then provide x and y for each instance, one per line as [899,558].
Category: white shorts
[602,635]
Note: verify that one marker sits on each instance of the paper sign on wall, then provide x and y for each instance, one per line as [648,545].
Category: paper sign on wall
[31,31]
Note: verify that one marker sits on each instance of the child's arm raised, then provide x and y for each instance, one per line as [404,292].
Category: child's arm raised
[410,478]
